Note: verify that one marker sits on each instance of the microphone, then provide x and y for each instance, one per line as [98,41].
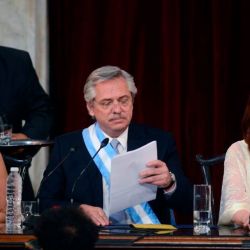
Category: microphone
[71,150]
[104,143]
[31,220]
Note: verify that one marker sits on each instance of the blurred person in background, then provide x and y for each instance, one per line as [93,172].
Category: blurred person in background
[3,180]
[65,229]
[235,195]
[23,101]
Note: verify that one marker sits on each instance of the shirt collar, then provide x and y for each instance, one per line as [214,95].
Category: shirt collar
[122,138]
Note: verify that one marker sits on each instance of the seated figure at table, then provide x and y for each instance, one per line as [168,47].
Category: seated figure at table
[235,195]
[109,94]
[3,179]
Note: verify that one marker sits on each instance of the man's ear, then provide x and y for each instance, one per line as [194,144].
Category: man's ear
[89,106]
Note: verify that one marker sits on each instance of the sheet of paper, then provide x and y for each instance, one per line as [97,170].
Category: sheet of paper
[125,189]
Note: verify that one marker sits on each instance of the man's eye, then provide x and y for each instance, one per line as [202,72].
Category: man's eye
[106,104]
[124,100]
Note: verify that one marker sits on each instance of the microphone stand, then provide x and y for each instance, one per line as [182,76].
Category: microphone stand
[104,143]
[72,149]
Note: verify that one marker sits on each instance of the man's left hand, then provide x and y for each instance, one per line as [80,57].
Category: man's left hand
[157,173]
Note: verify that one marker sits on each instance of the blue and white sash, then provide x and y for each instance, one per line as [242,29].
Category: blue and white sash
[92,136]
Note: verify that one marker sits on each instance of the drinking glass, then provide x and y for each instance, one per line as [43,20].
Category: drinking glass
[29,208]
[202,209]
[5,130]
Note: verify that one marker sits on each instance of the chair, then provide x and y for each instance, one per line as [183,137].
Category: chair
[19,153]
[206,165]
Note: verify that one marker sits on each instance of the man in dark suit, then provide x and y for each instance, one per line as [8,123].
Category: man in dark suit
[23,101]
[22,96]
[109,94]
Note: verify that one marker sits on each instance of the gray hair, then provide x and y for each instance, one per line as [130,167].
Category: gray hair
[103,74]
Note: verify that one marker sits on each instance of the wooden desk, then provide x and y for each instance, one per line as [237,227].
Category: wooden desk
[181,242]
[14,241]
[183,238]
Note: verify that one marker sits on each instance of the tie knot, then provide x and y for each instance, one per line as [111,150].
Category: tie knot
[114,143]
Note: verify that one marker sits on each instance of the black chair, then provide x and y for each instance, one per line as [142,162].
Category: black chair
[206,165]
[19,153]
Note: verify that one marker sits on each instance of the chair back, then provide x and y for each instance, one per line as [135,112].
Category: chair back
[206,165]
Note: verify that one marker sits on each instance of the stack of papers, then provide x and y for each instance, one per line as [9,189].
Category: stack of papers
[125,189]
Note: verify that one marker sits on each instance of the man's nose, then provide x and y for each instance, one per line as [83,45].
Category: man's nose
[116,107]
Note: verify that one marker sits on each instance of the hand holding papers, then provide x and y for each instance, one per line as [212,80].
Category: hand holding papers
[125,189]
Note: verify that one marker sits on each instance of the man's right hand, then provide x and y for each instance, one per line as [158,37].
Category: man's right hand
[95,214]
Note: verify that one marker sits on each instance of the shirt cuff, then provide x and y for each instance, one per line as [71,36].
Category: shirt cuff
[170,190]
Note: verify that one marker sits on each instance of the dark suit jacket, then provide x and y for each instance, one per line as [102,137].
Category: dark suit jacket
[56,189]
[21,95]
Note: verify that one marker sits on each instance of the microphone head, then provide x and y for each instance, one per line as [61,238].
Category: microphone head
[104,142]
[72,149]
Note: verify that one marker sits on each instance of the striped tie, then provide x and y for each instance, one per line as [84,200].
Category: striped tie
[114,143]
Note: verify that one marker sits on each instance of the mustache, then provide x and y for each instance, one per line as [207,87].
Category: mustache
[117,116]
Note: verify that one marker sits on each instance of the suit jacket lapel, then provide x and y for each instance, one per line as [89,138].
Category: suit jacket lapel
[136,137]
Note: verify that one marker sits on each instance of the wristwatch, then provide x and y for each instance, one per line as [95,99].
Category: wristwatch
[173,179]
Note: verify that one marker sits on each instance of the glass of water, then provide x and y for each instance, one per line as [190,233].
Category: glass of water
[5,130]
[5,133]
[202,209]
[29,209]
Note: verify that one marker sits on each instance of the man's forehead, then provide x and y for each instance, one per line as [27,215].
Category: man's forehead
[112,80]
[110,88]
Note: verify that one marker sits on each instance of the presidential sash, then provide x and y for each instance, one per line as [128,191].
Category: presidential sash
[93,136]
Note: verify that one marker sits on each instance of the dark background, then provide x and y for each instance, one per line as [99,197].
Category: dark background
[190,61]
